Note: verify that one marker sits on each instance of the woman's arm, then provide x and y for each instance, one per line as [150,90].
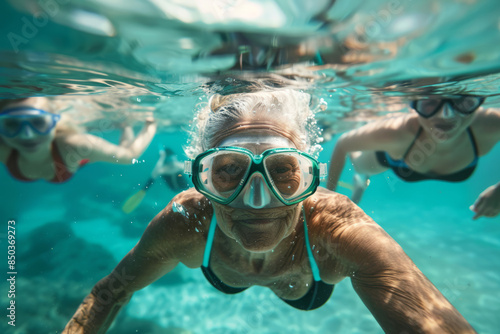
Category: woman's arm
[375,136]
[337,163]
[86,146]
[486,130]
[139,268]
[488,202]
[396,292]
[400,297]
[166,241]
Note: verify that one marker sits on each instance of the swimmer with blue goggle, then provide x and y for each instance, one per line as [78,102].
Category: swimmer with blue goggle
[14,120]
[32,149]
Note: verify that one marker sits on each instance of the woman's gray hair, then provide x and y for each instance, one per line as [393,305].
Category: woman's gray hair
[287,109]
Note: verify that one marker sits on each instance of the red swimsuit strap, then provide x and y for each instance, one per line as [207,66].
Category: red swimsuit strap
[13,166]
[61,171]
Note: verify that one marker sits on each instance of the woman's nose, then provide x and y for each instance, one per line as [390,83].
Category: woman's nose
[447,111]
[256,193]
[26,132]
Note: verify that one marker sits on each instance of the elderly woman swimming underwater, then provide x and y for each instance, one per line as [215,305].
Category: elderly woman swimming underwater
[256,188]
[35,145]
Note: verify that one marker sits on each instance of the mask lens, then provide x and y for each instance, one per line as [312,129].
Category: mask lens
[41,123]
[10,126]
[222,173]
[291,174]
[467,104]
[427,108]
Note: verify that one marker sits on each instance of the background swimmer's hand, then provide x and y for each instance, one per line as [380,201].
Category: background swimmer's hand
[488,203]
[162,154]
[149,120]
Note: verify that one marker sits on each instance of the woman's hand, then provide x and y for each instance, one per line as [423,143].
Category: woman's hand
[488,202]
[149,120]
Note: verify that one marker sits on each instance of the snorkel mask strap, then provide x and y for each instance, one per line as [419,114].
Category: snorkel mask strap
[188,167]
[323,171]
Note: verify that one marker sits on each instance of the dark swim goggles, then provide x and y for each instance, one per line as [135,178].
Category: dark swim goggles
[463,104]
[38,120]
[221,173]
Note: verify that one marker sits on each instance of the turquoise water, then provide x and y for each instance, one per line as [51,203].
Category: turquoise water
[72,236]
[127,60]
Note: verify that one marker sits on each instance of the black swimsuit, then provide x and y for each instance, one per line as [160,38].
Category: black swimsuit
[318,294]
[401,168]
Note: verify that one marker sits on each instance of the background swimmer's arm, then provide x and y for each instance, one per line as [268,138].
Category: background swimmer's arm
[486,130]
[86,146]
[157,171]
[337,163]
[488,202]
[155,254]
[397,293]
[375,136]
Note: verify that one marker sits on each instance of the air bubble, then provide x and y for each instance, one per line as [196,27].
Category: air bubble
[176,207]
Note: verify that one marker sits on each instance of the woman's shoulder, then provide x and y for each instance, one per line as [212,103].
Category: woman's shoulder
[187,208]
[486,129]
[388,129]
[329,209]
[343,234]
[182,226]
[487,121]
[72,139]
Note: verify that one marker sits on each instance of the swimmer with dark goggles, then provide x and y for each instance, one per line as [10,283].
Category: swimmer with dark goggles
[462,104]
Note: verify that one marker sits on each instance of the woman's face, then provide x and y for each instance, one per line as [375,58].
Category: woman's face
[446,123]
[26,128]
[256,218]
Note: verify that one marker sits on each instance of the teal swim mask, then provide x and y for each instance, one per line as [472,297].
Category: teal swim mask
[222,173]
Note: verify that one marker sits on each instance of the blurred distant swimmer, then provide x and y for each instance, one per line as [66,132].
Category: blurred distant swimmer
[442,140]
[36,145]
[170,169]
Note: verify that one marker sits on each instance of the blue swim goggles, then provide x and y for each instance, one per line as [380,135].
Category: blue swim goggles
[221,173]
[463,104]
[40,121]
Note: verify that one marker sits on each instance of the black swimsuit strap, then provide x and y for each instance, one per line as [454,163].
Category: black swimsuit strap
[420,129]
[474,143]
[218,284]
[317,295]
